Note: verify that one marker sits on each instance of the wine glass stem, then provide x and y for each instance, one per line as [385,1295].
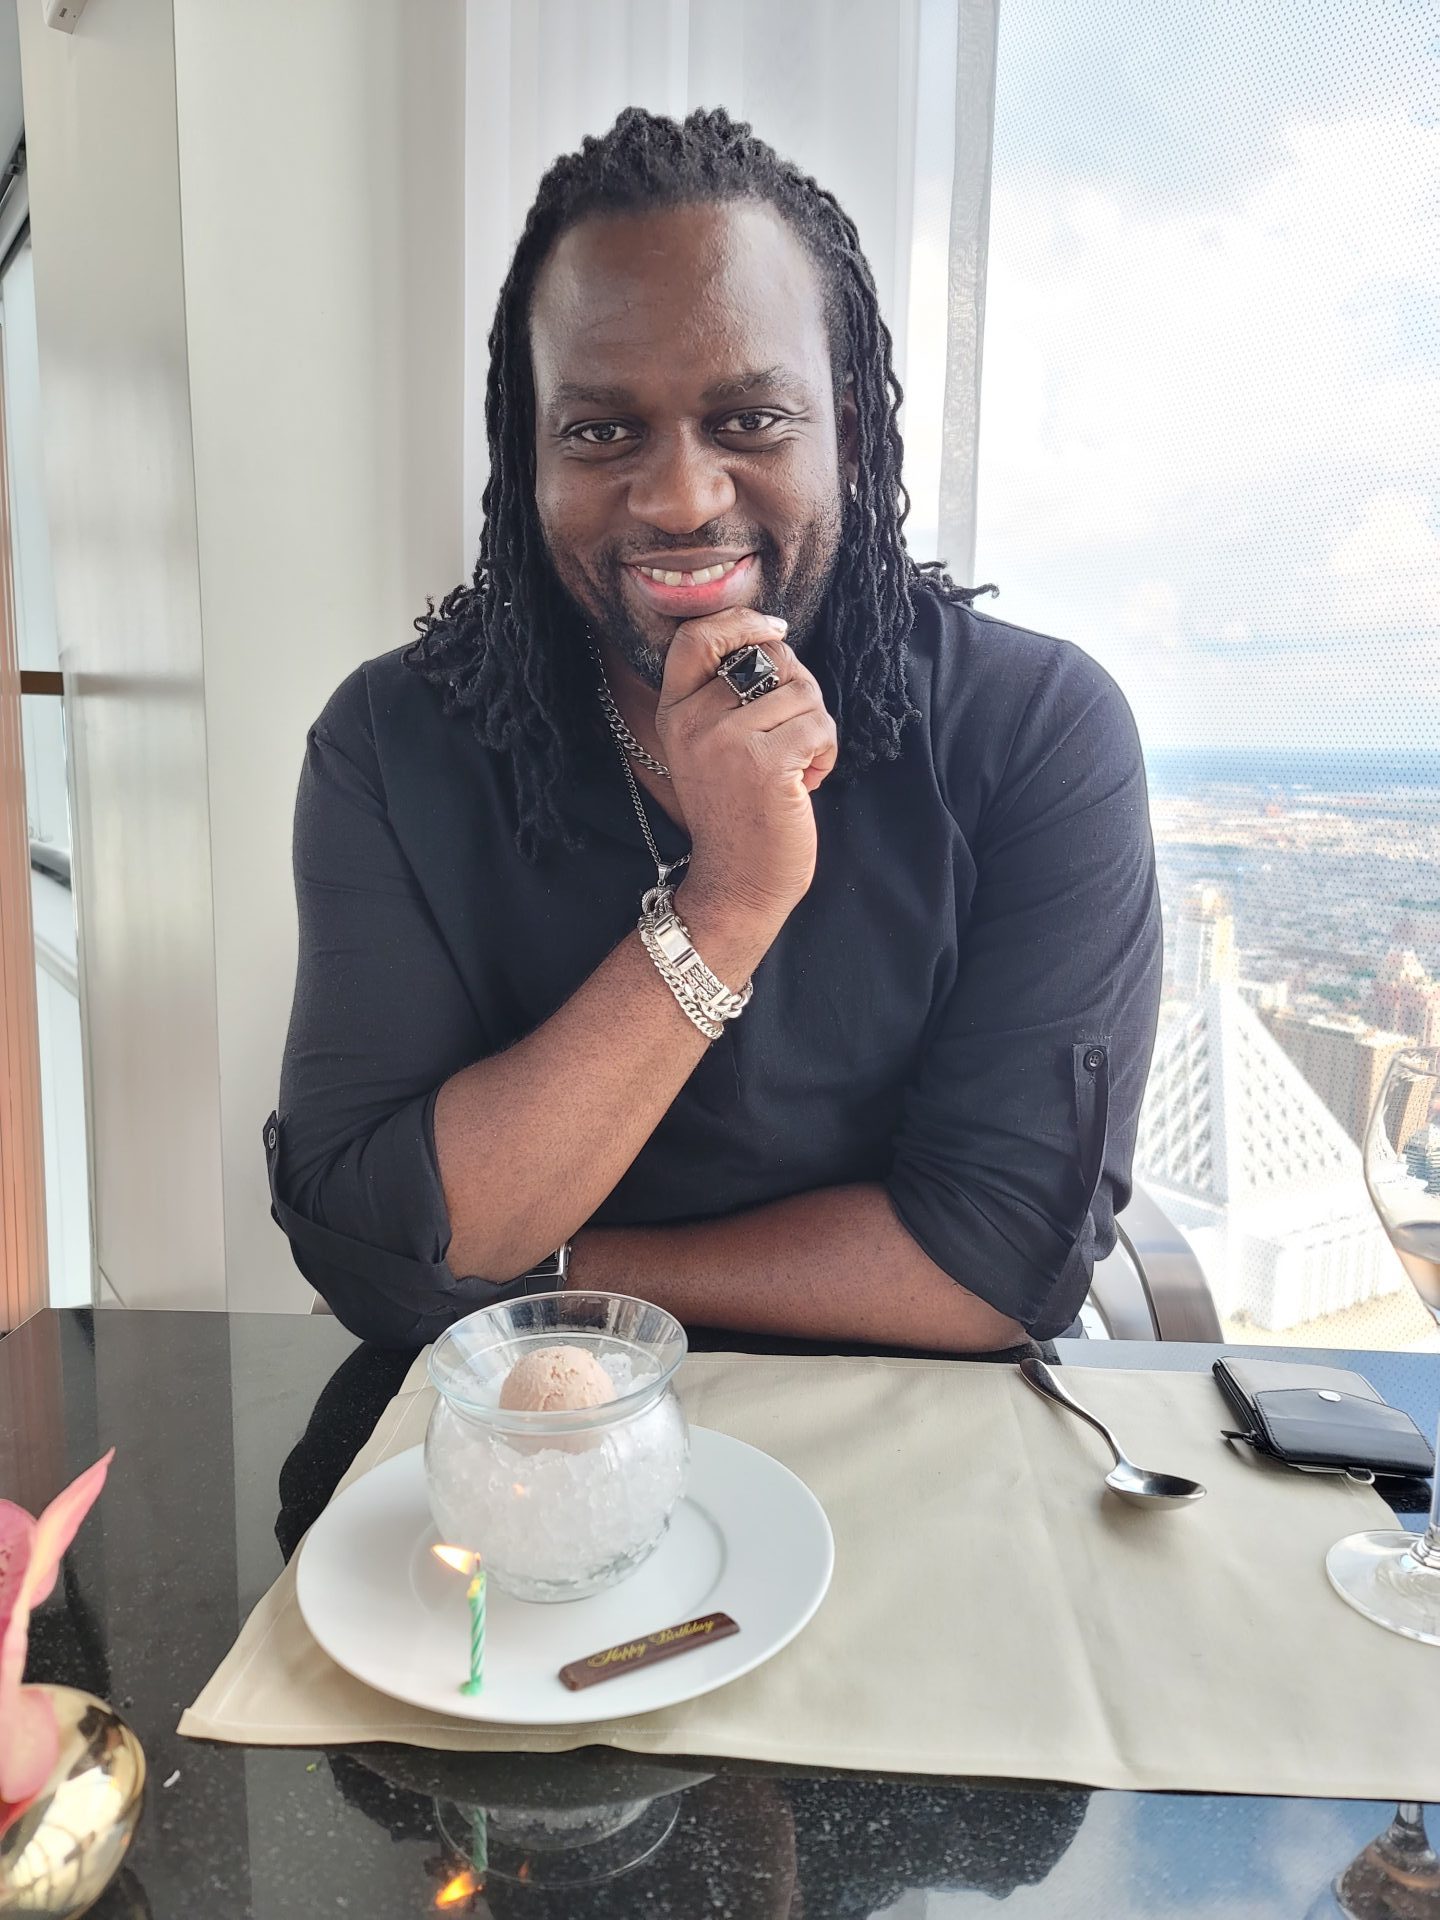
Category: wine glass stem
[1427,1548]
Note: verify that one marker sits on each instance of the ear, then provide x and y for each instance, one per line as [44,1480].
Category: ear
[847,432]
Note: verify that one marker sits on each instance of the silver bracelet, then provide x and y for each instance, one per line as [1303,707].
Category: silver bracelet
[704,999]
[690,1007]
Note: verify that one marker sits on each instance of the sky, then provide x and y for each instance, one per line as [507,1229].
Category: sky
[1210,416]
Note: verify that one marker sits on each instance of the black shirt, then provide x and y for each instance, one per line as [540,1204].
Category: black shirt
[962,1006]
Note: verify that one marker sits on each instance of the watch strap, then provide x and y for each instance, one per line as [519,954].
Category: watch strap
[548,1275]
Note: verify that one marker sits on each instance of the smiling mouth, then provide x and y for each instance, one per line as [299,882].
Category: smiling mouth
[690,593]
[699,577]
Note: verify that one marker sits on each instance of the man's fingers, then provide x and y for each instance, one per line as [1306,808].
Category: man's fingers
[714,698]
[787,731]
[700,645]
[714,708]
[799,745]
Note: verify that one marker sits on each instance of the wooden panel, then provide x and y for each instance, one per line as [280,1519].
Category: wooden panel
[22,1164]
[34,1460]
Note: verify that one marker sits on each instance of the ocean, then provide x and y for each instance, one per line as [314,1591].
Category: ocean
[1293,772]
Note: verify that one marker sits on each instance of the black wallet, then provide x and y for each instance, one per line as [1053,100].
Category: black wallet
[1325,1417]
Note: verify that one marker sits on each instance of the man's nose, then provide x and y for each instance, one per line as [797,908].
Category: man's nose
[681,484]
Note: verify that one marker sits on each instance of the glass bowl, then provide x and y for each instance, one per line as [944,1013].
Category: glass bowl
[561,1504]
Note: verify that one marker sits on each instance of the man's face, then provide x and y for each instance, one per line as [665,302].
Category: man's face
[685,420]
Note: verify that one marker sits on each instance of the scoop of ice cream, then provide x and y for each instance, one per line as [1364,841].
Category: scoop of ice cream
[556,1380]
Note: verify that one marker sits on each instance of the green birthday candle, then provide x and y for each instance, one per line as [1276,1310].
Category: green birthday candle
[476,1596]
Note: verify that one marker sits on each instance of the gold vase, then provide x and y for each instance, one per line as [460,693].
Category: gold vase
[63,1851]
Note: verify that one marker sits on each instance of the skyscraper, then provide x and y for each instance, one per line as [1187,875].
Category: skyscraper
[1344,1059]
[1257,1174]
[1204,945]
[1404,997]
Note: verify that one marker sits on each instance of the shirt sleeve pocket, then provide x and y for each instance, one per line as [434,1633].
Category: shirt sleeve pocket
[1091,1067]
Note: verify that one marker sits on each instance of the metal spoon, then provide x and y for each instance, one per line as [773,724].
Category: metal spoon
[1139,1484]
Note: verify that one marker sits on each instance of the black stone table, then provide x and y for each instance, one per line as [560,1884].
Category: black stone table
[231,1434]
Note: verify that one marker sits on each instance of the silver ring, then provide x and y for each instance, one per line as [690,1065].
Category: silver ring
[748,672]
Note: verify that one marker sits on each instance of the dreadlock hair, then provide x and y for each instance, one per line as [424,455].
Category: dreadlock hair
[492,646]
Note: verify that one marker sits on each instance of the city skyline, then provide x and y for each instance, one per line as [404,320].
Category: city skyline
[1322,877]
[1302,935]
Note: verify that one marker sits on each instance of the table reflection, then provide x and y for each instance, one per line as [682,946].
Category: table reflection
[578,1834]
[1396,1877]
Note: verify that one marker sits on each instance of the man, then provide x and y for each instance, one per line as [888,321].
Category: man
[898,859]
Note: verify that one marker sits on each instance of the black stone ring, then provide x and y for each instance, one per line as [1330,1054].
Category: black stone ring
[748,672]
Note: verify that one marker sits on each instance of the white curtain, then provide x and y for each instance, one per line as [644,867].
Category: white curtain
[889,103]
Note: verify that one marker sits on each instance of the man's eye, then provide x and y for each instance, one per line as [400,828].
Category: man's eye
[607,433]
[754,420]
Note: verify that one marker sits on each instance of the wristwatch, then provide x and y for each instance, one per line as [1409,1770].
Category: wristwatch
[548,1275]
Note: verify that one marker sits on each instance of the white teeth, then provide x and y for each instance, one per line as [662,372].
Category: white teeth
[702,576]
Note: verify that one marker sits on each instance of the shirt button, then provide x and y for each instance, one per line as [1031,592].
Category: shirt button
[271,1136]
[1094,1059]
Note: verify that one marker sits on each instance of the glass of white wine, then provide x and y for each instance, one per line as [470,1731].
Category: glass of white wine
[1394,1577]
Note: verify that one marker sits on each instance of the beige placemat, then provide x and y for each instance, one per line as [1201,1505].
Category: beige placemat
[992,1611]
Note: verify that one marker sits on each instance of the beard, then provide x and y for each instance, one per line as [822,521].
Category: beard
[598,598]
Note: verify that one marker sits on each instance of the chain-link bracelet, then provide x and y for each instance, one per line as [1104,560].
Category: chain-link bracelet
[704,999]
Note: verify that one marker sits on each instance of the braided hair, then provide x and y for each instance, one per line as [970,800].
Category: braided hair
[491,647]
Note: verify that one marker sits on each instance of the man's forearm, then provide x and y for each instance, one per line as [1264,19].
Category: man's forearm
[833,1264]
[530,1141]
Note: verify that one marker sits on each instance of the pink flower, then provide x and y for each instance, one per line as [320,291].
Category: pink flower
[30,1555]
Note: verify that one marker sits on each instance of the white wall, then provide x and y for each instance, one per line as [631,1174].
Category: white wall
[247,226]
[322,179]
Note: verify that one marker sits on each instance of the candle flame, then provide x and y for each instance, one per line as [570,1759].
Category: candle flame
[459,1558]
[460,1888]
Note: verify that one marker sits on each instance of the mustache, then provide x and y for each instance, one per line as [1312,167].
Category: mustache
[710,536]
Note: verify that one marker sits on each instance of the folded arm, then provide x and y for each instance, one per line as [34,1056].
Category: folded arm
[831,1265]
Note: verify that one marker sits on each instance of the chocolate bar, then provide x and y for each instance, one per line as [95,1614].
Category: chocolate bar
[648,1650]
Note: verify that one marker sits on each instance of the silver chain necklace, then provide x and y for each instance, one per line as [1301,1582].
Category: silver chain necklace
[621,732]
[627,745]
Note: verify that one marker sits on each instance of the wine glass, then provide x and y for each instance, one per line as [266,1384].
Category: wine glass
[1394,1577]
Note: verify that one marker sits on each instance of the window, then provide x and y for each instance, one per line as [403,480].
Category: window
[1209,414]
[62,1081]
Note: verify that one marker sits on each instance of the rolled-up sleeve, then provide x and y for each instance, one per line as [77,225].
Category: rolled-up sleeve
[380,1020]
[1014,1149]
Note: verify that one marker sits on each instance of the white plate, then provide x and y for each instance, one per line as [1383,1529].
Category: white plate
[748,1539]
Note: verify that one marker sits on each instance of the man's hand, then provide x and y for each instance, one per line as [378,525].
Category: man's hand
[532,1139]
[744,774]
